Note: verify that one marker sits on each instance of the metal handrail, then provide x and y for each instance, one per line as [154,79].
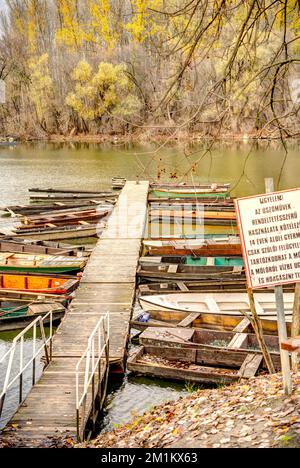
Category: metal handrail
[10,355]
[97,349]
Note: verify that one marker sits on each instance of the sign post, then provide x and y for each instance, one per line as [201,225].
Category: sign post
[282,333]
[270,237]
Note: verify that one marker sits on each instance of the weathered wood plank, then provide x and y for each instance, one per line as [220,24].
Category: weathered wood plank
[238,341]
[250,366]
[242,326]
[188,320]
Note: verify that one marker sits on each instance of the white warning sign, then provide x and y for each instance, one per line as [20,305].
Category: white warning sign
[270,235]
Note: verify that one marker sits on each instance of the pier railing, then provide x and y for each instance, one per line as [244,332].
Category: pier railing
[16,358]
[91,376]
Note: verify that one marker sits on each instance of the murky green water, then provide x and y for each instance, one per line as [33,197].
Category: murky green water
[244,165]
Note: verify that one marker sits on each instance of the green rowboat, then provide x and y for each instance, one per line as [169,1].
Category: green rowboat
[189,193]
[25,263]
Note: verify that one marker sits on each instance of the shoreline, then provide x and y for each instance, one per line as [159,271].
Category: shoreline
[142,138]
[254,413]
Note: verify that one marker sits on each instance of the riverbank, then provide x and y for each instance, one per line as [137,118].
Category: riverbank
[149,135]
[253,414]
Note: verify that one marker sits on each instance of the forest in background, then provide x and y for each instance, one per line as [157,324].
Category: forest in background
[151,67]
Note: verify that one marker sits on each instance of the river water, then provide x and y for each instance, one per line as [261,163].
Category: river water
[91,167]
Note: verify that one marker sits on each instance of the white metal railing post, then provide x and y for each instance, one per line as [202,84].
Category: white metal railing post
[33,354]
[99,340]
[21,369]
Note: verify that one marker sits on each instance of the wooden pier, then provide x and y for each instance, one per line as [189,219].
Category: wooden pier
[107,289]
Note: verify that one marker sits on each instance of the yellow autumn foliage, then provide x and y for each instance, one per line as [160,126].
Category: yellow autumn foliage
[41,85]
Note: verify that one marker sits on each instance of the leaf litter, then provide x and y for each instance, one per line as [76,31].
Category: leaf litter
[255,414]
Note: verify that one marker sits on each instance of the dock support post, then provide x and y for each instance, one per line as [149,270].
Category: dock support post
[282,332]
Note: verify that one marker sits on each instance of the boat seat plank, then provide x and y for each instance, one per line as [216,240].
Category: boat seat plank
[238,269]
[182,286]
[259,309]
[173,268]
[250,366]
[210,261]
[238,341]
[212,305]
[242,326]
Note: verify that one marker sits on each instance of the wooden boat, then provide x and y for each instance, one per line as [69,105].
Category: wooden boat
[32,209]
[189,268]
[201,193]
[40,284]
[208,321]
[217,303]
[213,348]
[51,234]
[188,237]
[39,247]
[183,204]
[24,297]
[178,364]
[194,215]
[87,217]
[40,263]
[118,183]
[190,260]
[76,211]
[67,191]
[221,246]
[70,197]
[13,318]
[191,209]
[184,185]
[228,226]
[229,283]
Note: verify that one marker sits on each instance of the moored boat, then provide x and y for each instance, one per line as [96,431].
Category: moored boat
[39,284]
[39,247]
[188,268]
[229,283]
[65,219]
[220,348]
[184,185]
[216,303]
[13,318]
[51,234]
[174,319]
[201,193]
[56,207]
[194,215]
[25,297]
[178,364]
[214,247]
